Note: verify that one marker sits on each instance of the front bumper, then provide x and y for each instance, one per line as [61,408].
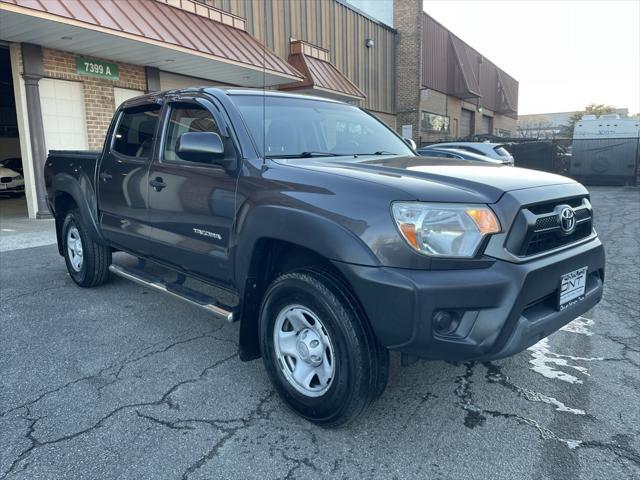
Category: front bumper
[12,187]
[502,309]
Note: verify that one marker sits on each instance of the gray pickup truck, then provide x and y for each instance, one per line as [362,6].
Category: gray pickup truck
[337,241]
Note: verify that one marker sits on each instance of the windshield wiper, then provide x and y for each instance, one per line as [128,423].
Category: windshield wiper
[308,155]
[379,152]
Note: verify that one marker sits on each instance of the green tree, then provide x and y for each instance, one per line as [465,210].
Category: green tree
[591,109]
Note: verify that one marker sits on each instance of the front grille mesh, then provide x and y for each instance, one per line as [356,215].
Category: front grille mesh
[5,179]
[545,241]
[543,230]
[547,222]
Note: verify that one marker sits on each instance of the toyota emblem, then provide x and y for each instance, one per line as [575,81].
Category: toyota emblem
[567,220]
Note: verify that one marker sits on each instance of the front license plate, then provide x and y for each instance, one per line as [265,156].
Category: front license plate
[572,287]
[3,186]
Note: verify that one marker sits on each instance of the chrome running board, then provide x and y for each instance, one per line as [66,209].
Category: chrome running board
[205,302]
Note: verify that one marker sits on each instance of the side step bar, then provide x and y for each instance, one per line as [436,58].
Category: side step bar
[177,290]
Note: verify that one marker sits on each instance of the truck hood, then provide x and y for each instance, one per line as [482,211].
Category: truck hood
[429,179]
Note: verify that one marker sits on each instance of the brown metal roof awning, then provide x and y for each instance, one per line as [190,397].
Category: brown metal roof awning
[463,82]
[506,103]
[180,36]
[320,76]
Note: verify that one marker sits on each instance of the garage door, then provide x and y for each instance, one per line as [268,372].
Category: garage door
[121,95]
[466,123]
[63,118]
[486,124]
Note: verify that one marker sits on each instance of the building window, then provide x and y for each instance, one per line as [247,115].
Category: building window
[431,122]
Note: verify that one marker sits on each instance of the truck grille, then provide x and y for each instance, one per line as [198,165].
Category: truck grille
[5,179]
[540,228]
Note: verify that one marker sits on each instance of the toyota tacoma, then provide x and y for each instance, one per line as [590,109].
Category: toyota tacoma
[330,241]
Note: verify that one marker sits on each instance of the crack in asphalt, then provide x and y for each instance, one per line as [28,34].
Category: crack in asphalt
[35,443]
[121,364]
[495,375]
[476,416]
[297,464]
[228,433]
[31,293]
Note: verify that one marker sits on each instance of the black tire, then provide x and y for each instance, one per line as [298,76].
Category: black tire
[96,258]
[361,363]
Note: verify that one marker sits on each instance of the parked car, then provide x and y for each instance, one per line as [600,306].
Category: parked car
[13,163]
[458,154]
[339,242]
[493,150]
[11,182]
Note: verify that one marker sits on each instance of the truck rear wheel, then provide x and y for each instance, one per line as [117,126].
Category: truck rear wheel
[318,348]
[87,261]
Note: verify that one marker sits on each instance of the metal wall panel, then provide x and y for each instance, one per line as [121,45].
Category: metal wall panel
[331,25]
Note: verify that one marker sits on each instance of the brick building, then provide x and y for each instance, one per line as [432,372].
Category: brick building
[73,63]
[445,88]
[65,66]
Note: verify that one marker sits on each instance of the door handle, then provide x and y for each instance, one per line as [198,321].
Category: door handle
[104,176]
[157,183]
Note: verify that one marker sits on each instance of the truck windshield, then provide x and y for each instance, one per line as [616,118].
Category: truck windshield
[288,127]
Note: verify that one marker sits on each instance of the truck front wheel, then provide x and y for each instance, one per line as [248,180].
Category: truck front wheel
[318,348]
[87,261]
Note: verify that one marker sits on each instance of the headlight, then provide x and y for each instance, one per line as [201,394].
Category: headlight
[444,229]
[18,177]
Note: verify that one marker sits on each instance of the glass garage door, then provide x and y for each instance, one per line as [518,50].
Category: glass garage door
[63,116]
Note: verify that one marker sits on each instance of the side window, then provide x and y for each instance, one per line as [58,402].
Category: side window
[183,119]
[135,131]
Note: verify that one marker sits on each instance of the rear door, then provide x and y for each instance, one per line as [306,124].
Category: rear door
[123,180]
[192,205]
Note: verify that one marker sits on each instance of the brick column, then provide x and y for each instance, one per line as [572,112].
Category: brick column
[407,19]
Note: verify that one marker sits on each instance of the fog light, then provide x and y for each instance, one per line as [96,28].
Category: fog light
[446,321]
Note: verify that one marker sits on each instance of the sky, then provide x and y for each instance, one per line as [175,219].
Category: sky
[564,53]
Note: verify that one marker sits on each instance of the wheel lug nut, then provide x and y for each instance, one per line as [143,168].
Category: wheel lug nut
[315,358]
[314,343]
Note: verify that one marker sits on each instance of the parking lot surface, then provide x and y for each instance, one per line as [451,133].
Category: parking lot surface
[121,382]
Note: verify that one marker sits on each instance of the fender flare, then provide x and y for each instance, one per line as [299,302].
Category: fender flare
[84,195]
[306,229]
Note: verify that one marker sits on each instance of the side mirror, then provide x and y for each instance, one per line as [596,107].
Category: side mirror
[411,143]
[202,147]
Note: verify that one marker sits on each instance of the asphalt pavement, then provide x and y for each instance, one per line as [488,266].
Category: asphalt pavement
[121,382]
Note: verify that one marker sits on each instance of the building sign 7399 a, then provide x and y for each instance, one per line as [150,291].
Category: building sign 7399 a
[97,68]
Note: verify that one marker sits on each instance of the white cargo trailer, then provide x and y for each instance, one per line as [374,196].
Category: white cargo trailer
[606,150]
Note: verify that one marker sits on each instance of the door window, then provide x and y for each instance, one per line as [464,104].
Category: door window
[184,119]
[136,128]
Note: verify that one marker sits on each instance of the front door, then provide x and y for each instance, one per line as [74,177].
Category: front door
[122,183]
[191,204]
